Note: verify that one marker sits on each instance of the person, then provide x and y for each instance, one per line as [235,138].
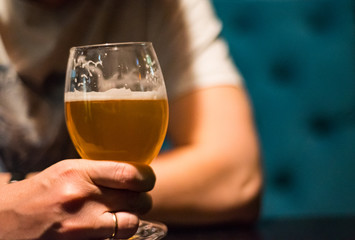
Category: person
[211,174]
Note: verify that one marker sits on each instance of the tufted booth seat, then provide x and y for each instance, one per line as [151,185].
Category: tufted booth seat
[297,59]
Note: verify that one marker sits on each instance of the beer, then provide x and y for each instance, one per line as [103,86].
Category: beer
[128,129]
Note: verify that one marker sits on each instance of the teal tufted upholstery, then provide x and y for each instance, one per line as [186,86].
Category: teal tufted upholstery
[298,61]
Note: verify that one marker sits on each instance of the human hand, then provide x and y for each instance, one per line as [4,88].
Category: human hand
[76,199]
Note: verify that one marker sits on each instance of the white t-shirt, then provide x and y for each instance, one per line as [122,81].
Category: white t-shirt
[35,42]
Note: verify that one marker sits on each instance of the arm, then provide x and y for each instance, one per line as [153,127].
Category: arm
[4,178]
[214,173]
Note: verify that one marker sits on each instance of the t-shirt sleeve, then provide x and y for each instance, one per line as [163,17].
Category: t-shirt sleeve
[189,47]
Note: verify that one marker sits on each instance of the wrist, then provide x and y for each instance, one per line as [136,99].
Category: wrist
[4,178]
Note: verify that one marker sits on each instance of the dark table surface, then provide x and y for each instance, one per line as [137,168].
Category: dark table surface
[324,228]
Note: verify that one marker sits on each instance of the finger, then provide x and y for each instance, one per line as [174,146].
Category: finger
[124,226]
[123,200]
[97,226]
[119,175]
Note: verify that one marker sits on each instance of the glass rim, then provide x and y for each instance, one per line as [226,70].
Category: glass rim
[110,45]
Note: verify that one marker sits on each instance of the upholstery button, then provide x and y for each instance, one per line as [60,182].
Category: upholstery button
[321,126]
[244,23]
[321,19]
[282,71]
[282,179]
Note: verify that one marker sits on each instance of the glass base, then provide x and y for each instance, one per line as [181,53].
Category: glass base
[150,231]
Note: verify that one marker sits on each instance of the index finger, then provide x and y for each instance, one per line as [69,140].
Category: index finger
[120,175]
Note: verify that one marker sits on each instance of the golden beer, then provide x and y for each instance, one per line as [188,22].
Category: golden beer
[129,130]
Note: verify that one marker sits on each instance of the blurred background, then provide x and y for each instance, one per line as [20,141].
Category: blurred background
[297,59]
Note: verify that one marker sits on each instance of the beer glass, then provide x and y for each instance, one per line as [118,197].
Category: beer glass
[116,107]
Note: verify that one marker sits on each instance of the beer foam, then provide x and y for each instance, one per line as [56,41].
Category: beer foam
[115,94]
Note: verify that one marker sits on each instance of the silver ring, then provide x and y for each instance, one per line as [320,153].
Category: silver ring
[116,225]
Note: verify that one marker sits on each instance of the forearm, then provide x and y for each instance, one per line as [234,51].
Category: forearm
[7,222]
[213,174]
[13,214]
[198,186]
